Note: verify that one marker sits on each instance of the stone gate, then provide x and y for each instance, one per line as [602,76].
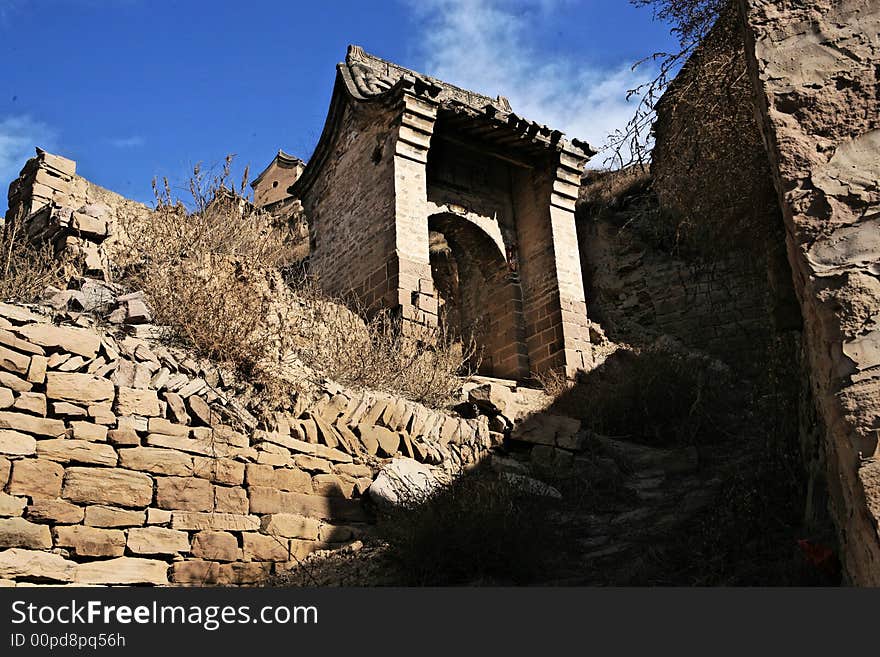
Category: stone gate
[447,207]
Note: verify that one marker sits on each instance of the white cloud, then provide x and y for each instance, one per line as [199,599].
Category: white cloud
[487,46]
[18,137]
[128,142]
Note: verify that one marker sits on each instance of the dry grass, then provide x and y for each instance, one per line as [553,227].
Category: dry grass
[602,188]
[198,266]
[212,271]
[330,338]
[26,269]
[655,396]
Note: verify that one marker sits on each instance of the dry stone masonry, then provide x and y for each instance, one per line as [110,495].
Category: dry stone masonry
[77,217]
[124,462]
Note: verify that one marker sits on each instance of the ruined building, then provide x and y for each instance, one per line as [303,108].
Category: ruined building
[448,208]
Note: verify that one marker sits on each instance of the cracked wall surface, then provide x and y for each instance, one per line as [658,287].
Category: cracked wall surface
[816,77]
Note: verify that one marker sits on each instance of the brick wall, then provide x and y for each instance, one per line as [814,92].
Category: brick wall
[352,207]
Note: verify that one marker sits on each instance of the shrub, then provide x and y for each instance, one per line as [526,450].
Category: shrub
[478,529]
[212,271]
[375,352]
[656,396]
[203,266]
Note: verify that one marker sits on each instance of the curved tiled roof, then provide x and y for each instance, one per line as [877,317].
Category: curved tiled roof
[365,78]
[372,76]
[284,159]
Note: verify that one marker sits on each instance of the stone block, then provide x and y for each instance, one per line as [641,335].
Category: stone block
[301,548]
[165,427]
[14,443]
[293,480]
[131,401]
[56,512]
[67,410]
[184,494]
[39,426]
[199,446]
[157,540]
[102,414]
[109,516]
[311,463]
[123,437]
[353,469]
[11,506]
[200,412]
[89,431]
[194,520]
[68,450]
[37,370]
[176,408]
[68,338]
[290,525]
[260,547]
[74,387]
[123,570]
[219,470]
[158,517]
[28,402]
[36,478]
[330,485]
[195,572]
[31,564]
[107,486]
[14,361]
[14,383]
[216,546]
[230,500]
[492,398]
[268,500]
[90,541]
[376,439]
[20,533]
[157,461]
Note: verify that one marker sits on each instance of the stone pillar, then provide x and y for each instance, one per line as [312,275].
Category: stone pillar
[566,250]
[557,333]
[412,289]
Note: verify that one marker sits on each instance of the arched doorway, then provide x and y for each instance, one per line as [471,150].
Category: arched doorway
[479,294]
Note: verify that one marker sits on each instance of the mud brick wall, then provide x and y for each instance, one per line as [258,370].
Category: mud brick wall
[816,84]
[639,292]
[123,462]
[698,254]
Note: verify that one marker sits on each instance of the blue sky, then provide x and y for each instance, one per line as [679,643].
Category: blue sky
[133,89]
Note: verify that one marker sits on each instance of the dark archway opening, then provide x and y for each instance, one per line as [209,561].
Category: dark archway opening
[479,295]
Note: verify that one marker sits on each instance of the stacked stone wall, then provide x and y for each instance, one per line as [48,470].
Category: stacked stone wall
[123,461]
[81,219]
